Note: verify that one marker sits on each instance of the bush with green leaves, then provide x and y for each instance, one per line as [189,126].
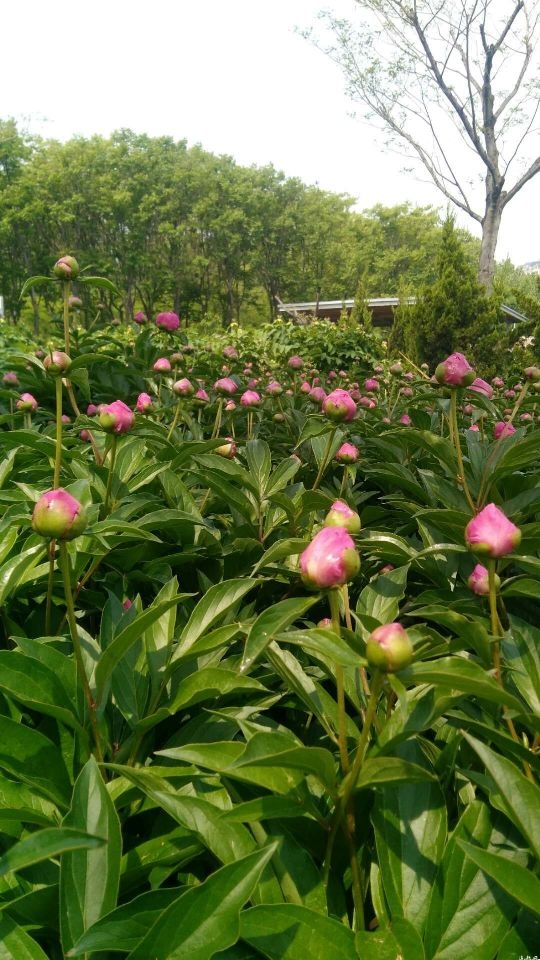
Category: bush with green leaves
[227,736]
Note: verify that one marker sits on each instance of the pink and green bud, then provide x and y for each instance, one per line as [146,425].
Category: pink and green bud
[347,453]
[168,321]
[230,353]
[57,363]
[201,397]
[140,317]
[371,384]
[27,403]
[296,363]
[59,516]
[396,369]
[455,371]
[230,406]
[227,450]
[250,398]
[482,387]
[183,388]
[274,389]
[339,406]
[491,533]
[532,373]
[116,417]
[66,268]
[75,303]
[11,379]
[225,386]
[317,395]
[162,365]
[341,515]
[144,402]
[478,581]
[330,560]
[389,648]
[502,429]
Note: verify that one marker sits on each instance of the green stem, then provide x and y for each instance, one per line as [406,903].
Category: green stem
[333,600]
[50,580]
[462,479]
[175,420]
[114,445]
[58,447]
[326,458]
[66,292]
[217,421]
[63,562]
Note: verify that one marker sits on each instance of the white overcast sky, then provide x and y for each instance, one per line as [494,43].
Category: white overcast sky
[232,75]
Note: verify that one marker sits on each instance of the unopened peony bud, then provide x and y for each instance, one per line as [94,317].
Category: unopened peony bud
[201,397]
[491,533]
[225,386]
[227,450]
[455,371]
[341,515]
[502,429]
[27,403]
[389,648]
[168,321]
[144,402]
[59,516]
[162,365]
[347,453]
[250,398]
[11,379]
[296,363]
[66,268]
[330,560]
[532,373]
[183,388]
[339,406]
[116,417]
[479,581]
[480,386]
[57,363]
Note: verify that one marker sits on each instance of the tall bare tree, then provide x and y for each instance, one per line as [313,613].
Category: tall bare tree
[439,74]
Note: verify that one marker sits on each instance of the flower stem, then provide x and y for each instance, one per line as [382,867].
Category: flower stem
[58,447]
[66,291]
[114,444]
[217,421]
[63,563]
[175,420]
[333,599]
[462,479]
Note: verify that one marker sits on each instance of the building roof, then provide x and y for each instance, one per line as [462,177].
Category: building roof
[381,308]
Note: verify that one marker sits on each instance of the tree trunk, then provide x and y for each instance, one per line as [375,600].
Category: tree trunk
[490,233]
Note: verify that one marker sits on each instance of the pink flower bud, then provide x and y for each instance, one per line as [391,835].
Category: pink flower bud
[230,406]
[491,533]
[330,560]
[116,417]
[168,321]
[497,382]
[226,385]
[341,515]
[27,403]
[325,622]
[250,398]
[162,365]
[455,371]
[66,268]
[144,402]
[227,450]
[230,353]
[347,453]
[339,406]
[183,388]
[84,436]
[140,317]
[389,648]
[295,363]
[11,379]
[371,384]
[59,516]
[405,420]
[201,397]
[274,388]
[75,303]
[305,387]
[474,427]
[396,369]
[502,429]
[65,418]
[91,410]
[479,581]
[57,363]
[480,386]
[317,395]
[532,373]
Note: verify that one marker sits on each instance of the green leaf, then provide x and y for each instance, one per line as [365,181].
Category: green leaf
[521,652]
[44,844]
[17,568]
[100,282]
[457,673]
[323,643]
[279,551]
[124,928]
[30,756]
[410,832]
[16,943]
[292,932]
[37,281]
[216,603]
[284,472]
[401,940]
[519,882]
[89,878]
[379,770]
[36,686]
[210,683]
[269,623]
[206,918]
[381,598]
[259,461]
[520,797]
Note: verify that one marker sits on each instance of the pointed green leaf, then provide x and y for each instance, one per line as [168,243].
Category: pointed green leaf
[16,943]
[28,755]
[44,844]
[269,623]
[519,882]
[216,603]
[292,932]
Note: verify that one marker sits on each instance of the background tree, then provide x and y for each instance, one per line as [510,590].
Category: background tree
[426,69]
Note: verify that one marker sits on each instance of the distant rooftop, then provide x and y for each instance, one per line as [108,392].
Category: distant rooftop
[381,309]
[532,267]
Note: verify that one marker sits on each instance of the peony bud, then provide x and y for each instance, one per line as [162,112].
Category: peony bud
[341,515]
[480,386]
[389,648]
[66,268]
[347,453]
[59,516]
[227,450]
[339,406]
[168,321]
[230,353]
[455,371]
[201,397]
[295,363]
[57,363]
[491,533]
[140,317]
[162,365]
[144,402]
[479,581]
[371,384]
[225,386]
[116,417]
[532,373]
[274,389]
[11,379]
[183,388]
[250,398]
[317,395]
[27,403]
[330,560]
[502,429]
